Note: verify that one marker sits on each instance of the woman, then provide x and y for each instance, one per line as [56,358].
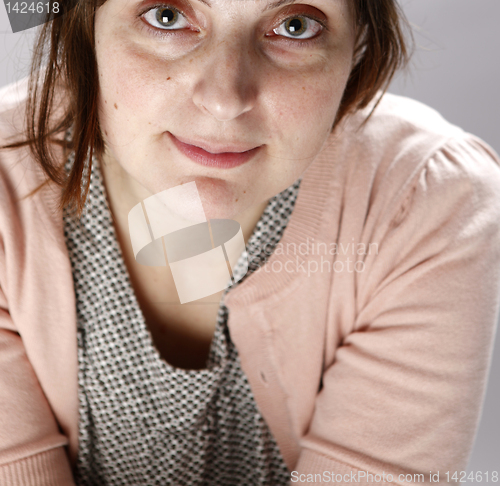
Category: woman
[356,347]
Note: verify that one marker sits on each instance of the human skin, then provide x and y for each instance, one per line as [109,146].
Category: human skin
[224,77]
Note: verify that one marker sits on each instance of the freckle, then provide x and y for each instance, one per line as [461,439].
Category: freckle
[236,200]
[116,106]
[190,60]
[244,192]
[168,78]
[303,87]
[105,101]
[149,123]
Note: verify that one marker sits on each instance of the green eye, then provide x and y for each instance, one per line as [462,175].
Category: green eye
[299,27]
[167,16]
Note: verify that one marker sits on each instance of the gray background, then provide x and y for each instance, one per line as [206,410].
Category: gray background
[456,70]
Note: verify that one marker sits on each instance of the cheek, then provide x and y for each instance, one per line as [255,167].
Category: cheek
[303,109]
[134,89]
[123,89]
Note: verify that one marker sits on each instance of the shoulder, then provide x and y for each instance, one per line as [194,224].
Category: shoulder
[13,99]
[405,144]
[14,163]
[19,171]
[23,212]
[395,129]
[397,117]
[13,95]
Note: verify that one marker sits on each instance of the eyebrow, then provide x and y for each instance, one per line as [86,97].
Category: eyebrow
[276,4]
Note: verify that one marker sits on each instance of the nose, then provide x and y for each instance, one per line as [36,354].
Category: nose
[226,87]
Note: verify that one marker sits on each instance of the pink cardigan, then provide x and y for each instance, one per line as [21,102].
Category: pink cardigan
[366,338]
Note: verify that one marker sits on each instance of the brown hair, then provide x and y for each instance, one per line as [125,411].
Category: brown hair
[68,43]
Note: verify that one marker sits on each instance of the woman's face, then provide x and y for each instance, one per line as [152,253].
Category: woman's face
[225,76]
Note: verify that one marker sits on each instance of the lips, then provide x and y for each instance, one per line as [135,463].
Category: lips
[218,156]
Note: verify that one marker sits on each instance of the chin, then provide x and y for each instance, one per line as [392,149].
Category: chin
[217,197]
[216,210]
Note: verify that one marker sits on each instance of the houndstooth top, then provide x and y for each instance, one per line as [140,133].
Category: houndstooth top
[143,421]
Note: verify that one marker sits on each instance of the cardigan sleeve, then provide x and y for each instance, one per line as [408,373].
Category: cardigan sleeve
[404,392]
[31,447]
